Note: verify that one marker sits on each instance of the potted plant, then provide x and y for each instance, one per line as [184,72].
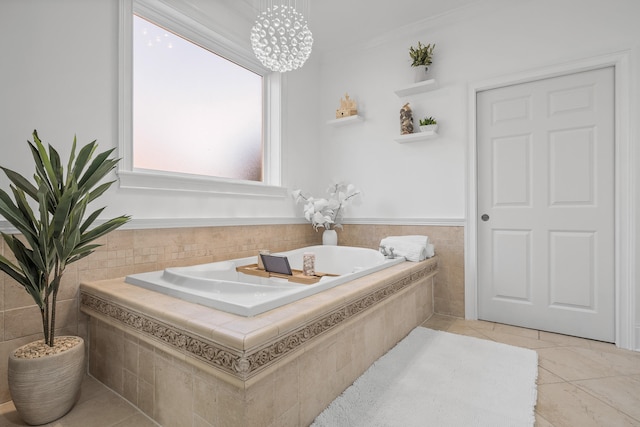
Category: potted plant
[428,124]
[421,58]
[45,375]
[327,213]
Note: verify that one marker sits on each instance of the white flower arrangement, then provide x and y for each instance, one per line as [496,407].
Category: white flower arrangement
[327,213]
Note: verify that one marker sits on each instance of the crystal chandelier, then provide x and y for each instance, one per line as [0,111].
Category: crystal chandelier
[281,38]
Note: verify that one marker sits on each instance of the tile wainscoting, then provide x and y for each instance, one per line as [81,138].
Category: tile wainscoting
[133,251]
[448,292]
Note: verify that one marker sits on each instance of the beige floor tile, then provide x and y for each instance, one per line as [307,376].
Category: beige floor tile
[136,420]
[546,377]
[620,362]
[97,407]
[565,405]
[542,422]
[621,392]
[578,363]
[632,356]
[104,410]
[515,330]
[565,340]
[480,325]
[517,340]
[90,388]
[461,329]
[438,322]
[9,416]
[470,328]
[610,347]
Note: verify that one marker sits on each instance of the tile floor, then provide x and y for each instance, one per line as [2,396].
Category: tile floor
[97,406]
[580,382]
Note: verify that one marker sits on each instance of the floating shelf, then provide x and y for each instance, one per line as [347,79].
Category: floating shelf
[414,137]
[419,87]
[345,120]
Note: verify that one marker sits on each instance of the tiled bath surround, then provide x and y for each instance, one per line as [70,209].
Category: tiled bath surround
[184,364]
[132,251]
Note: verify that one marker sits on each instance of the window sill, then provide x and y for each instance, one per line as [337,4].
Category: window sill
[153,180]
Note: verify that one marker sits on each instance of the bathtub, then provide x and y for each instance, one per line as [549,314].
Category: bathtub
[218,285]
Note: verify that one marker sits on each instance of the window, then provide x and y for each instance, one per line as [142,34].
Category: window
[198,112]
[186,96]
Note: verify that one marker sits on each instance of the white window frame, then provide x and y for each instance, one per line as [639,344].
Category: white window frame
[130,177]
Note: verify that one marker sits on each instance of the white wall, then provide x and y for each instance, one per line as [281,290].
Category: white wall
[427,179]
[59,75]
[491,39]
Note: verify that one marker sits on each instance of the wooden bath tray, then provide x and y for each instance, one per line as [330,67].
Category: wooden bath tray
[296,277]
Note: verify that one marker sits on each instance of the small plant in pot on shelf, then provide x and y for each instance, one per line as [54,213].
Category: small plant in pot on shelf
[45,375]
[428,124]
[421,57]
[327,212]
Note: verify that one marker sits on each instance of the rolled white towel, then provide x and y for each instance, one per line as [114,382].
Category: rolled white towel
[412,248]
[417,239]
[410,251]
[431,250]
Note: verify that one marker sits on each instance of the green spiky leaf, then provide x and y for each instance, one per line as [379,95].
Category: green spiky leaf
[57,234]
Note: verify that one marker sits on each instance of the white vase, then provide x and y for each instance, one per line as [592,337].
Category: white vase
[429,128]
[420,73]
[330,237]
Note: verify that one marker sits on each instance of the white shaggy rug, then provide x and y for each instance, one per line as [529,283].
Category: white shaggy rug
[434,378]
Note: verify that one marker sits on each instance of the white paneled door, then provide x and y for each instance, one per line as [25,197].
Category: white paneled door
[546,204]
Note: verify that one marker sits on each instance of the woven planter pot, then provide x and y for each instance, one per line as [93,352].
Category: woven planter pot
[45,388]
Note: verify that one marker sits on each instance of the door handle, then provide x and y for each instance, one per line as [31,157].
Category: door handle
[485,217]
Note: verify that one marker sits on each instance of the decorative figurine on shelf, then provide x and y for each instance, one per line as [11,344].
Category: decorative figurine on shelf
[347,108]
[406,120]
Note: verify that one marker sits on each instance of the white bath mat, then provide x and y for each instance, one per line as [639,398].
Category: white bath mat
[434,378]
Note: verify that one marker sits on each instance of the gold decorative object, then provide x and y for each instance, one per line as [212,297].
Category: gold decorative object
[406,120]
[348,107]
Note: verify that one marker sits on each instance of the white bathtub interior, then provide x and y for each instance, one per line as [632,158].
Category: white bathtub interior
[220,286]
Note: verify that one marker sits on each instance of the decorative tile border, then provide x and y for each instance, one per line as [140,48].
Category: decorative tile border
[240,363]
[213,353]
[260,359]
